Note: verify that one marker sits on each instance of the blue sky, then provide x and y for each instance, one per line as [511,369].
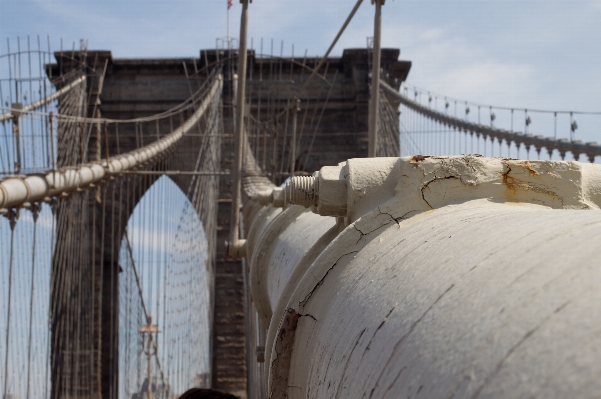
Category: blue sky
[535,54]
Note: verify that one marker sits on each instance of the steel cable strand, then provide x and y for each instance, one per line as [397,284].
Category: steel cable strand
[59,311]
[387,132]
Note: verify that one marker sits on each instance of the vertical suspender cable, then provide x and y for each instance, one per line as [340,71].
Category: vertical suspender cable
[35,214]
[13,223]
[233,250]
[375,82]
[295,111]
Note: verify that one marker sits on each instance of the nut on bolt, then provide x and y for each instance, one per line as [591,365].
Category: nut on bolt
[278,197]
[333,191]
[325,192]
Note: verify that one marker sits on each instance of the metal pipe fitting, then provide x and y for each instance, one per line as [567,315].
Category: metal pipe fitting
[347,190]
[236,249]
[275,197]
[301,190]
[278,197]
[262,197]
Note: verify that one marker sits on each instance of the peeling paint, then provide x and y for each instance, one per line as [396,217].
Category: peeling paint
[514,185]
[419,158]
[280,366]
[427,184]
[528,166]
[320,282]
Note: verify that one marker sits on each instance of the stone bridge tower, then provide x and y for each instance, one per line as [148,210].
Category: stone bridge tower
[133,88]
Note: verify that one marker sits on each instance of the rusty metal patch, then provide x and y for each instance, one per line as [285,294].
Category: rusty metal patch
[419,158]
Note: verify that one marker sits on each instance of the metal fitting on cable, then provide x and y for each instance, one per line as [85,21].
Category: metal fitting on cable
[262,197]
[278,198]
[274,197]
[236,249]
[325,192]
[302,190]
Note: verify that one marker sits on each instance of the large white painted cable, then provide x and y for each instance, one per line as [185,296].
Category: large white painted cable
[464,277]
[476,300]
[16,191]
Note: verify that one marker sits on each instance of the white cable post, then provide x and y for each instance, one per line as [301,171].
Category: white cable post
[375,81]
[295,112]
[235,245]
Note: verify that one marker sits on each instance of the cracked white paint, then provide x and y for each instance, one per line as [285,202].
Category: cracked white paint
[277,250]
[463,277]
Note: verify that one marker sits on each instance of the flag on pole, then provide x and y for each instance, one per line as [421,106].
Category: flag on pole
[230,3]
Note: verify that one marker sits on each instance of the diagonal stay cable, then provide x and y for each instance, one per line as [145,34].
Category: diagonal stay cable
[324,58]
[320,116]
[253,174]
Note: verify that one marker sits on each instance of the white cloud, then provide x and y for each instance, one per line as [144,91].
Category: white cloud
[521,54]
[447,63]
[486,80]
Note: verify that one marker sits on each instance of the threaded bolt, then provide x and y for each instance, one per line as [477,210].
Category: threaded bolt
[302,190]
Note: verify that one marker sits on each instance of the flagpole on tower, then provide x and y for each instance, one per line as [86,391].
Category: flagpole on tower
[230,3]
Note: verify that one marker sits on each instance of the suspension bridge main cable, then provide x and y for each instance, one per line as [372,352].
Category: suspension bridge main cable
[189,103]
[30,107]
[489,132]
[16,191]
[542,111]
